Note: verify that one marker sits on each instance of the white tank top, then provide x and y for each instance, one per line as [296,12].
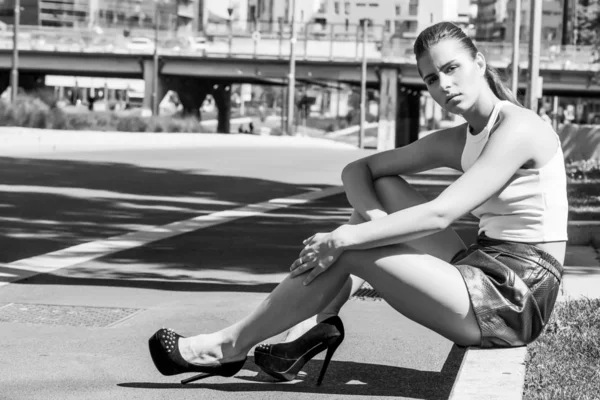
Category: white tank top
[533,207]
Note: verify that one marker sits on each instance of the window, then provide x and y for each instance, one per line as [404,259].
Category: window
[398,10]
[361,4]
[336,7]
[413,7]
[550,33]
[347,7]
[388,25]
[323,7]
[373,5]
[398,26]
[410,26]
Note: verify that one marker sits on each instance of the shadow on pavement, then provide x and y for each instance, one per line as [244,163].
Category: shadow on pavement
[343,377]
[53,204]
[222,258]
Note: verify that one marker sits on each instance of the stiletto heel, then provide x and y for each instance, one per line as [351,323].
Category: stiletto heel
[167,359]
[284,360]
[330,350]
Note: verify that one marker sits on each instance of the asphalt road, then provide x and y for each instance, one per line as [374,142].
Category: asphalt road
[81,332]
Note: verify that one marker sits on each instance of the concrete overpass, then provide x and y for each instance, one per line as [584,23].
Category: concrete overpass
[579,82]
[194,75]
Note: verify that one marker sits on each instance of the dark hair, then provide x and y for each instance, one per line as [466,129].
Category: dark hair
[447,30]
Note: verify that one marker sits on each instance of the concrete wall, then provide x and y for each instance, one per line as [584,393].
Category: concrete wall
[580,142]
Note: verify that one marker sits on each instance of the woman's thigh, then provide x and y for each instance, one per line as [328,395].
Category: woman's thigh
[396,194]
[422,287]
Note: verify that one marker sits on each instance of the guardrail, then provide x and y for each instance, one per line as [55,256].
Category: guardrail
[313,45]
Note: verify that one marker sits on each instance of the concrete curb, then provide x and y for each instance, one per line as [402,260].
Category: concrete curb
[584,233]
[490,374]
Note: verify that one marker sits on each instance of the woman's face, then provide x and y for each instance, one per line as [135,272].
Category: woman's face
[452,77]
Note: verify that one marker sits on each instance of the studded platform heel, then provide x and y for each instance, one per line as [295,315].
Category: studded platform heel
[168,360]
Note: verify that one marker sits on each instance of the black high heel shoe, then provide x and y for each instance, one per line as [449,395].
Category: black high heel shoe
[284,360]
[168,360]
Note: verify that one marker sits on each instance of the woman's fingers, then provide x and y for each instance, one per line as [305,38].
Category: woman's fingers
[305,252]
[316,271]
[303,259]
[303,268]
[308,239]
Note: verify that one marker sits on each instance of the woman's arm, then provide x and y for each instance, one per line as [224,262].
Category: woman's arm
[509,148]
[438,149]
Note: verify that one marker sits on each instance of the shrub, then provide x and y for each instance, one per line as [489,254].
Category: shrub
[31,111]
[583,169]
[132,124]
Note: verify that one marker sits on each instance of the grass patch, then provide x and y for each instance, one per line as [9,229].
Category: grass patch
[564,363]
[584,199]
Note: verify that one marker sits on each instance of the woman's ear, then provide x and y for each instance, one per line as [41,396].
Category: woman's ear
[481,63]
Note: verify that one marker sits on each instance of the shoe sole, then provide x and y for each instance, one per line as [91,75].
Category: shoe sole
[292,371]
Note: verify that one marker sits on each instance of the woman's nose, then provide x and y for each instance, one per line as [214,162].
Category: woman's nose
[445,81]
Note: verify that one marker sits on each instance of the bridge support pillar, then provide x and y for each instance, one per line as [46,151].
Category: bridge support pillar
[407,124]
[388,110]
[222,95]
[149,87]
[398,112]
[191,91]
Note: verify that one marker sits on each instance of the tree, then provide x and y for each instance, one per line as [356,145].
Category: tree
[587,23]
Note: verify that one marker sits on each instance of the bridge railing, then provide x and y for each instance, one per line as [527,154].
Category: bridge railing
[315,42]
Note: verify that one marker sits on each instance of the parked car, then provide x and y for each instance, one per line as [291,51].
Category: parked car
[140,44]
[175,44]
[198,44]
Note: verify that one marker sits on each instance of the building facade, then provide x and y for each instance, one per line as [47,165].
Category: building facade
[552,20]
[405,18]
[495,20]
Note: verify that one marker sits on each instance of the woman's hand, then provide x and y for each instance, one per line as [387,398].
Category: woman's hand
[320,252]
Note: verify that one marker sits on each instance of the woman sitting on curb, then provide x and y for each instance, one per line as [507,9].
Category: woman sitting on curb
[498,292]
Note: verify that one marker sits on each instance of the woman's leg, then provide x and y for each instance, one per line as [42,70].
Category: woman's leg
[422,287]
[395,194]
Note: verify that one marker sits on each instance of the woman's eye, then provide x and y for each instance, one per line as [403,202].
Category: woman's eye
[432,80]
[450,69]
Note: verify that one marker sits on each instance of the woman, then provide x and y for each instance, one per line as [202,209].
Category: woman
[499,292]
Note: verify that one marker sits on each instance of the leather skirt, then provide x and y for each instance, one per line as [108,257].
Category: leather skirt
[512,286]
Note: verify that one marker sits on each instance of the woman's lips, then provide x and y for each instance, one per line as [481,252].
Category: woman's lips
[452,97]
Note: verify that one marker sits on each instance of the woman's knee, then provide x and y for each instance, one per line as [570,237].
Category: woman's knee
[387,182]
[391,185]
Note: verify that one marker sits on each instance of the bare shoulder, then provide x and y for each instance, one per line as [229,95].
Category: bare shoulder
[523,121]
[528,129]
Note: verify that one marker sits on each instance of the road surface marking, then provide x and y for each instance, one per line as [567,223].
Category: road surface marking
[85,252]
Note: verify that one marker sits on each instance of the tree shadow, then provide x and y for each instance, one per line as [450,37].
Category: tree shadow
[53,204]
[342,378]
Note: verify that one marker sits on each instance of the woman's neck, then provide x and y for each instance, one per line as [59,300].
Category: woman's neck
[479,115]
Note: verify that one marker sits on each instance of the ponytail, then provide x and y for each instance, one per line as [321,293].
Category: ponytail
[498,87]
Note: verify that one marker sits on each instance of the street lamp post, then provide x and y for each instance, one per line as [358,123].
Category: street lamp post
[155,64]
[534,54]
[292,74]
[230,28]
[14,73]
[516,48]
[363,85]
